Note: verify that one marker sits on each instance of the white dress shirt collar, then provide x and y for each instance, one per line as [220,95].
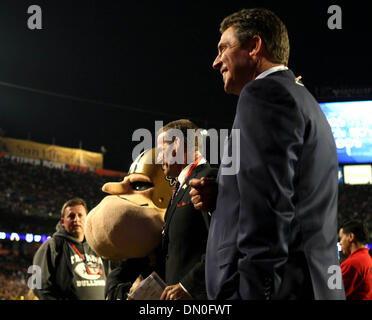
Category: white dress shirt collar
[182,176]
[271,70]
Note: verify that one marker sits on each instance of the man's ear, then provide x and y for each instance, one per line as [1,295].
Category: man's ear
[62,221]
[178,150]
[254,45]
[351,237]
[176,144]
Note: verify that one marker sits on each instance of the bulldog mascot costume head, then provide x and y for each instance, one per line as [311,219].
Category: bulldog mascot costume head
[128,223]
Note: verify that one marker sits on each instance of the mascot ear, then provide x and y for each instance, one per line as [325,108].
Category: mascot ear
[116,187]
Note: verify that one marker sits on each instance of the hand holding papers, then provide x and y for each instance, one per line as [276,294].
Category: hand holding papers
[150,288]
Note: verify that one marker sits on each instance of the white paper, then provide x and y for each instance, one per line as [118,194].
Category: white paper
[149,288]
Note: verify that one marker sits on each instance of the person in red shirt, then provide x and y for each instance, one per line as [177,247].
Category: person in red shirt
[356,269]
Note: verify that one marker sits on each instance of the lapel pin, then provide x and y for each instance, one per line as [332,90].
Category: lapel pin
[298,81]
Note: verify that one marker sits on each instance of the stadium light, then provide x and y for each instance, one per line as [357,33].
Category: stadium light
[14,236]
[29,237]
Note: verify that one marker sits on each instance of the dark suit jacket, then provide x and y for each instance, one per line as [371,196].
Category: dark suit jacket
[273,234]
[185,239]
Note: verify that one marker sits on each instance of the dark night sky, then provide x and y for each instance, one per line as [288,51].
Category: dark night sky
[117,66]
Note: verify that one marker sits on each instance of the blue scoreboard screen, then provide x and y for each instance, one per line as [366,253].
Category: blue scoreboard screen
[351,123]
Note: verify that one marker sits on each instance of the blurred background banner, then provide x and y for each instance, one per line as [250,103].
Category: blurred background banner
[35,150]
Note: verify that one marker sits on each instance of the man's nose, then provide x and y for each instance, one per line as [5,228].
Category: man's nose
[217,63]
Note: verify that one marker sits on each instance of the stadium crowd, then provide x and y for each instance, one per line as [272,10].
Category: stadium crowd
[15,258]
[30,198]
[355,202]
[35,194]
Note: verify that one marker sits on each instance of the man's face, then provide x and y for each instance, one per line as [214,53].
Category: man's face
[167,155]
[345,242]
[74,220]
[234,62]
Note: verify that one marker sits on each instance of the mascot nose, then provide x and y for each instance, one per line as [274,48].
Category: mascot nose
[116,187]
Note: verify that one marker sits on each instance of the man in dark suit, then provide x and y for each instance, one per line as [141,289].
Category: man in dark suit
[186,229]
[273,232]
